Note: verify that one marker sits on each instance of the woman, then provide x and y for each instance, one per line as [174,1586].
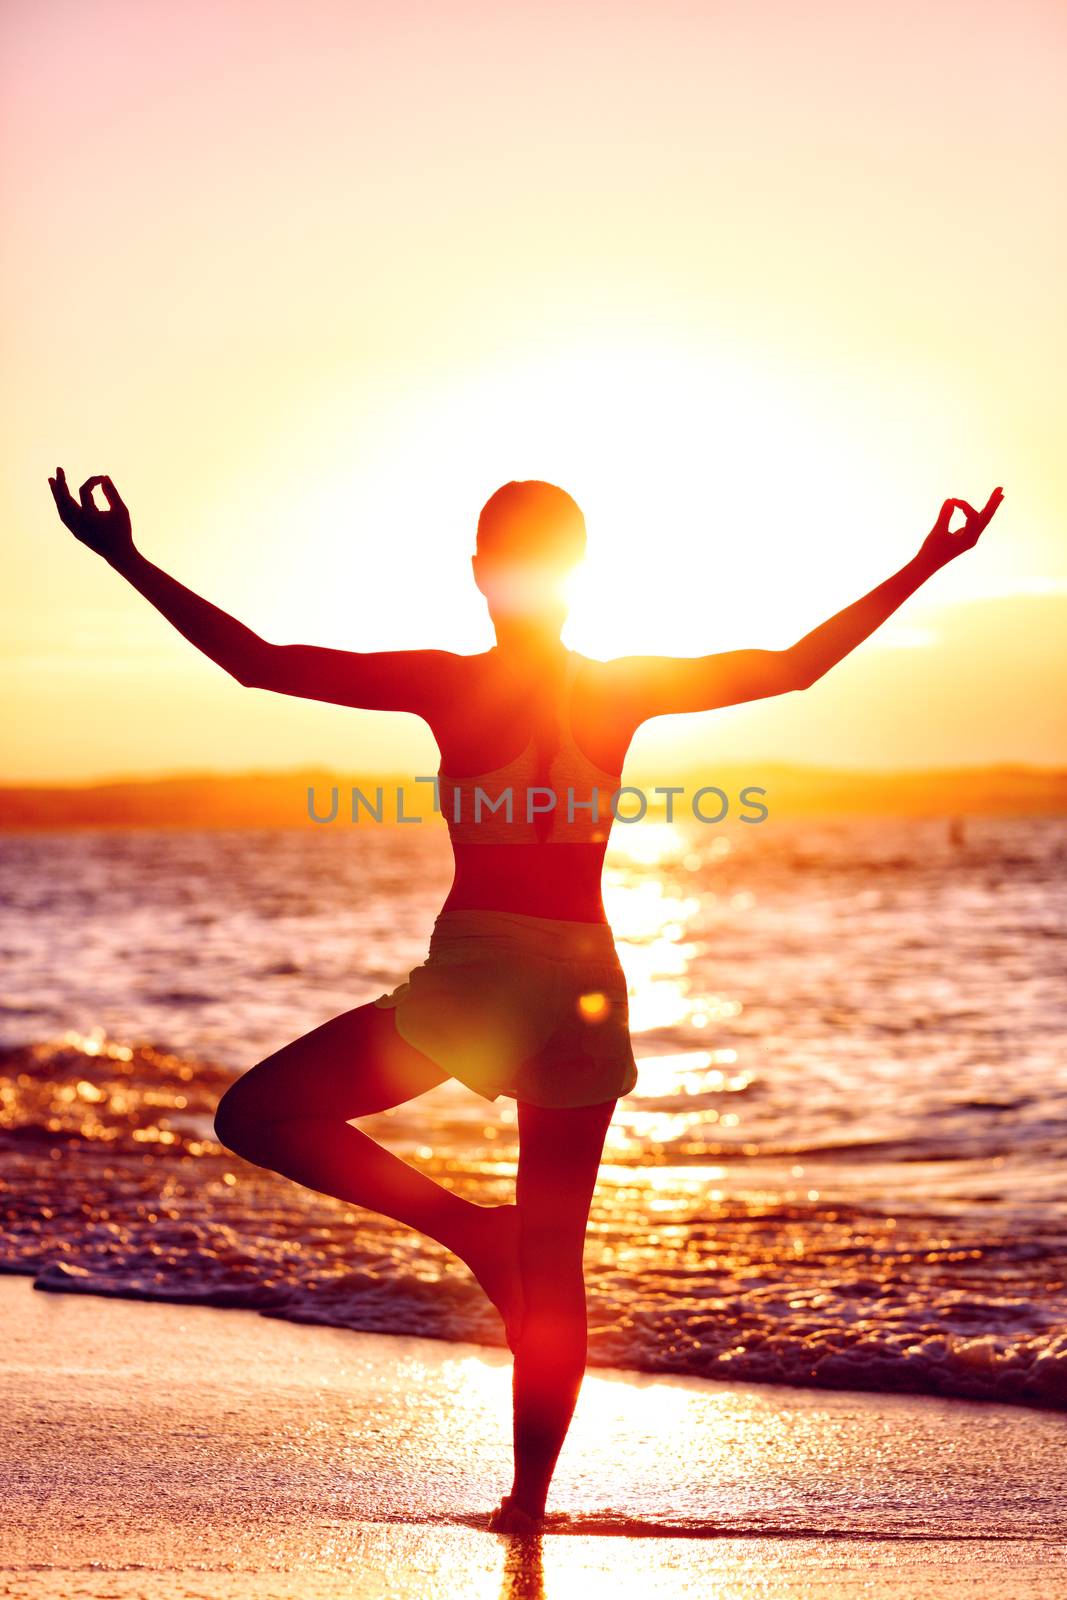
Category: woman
[522,993]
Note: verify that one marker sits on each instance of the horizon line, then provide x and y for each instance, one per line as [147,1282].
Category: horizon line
[394,776]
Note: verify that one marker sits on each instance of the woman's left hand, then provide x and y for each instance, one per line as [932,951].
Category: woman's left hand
[109,532]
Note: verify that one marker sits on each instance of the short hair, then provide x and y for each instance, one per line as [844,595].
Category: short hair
[528,521]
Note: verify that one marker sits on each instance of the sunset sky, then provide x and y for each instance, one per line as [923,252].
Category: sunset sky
[759,285]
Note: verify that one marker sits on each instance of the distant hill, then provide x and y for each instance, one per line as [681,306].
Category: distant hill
[280,799]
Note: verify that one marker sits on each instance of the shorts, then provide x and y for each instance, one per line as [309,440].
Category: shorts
[528,1007]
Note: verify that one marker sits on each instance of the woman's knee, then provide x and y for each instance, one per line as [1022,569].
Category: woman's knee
[553,1338]
[552,1253]
[235,1118]
[554,1296]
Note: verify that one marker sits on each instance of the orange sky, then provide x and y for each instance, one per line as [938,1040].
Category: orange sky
[759,285]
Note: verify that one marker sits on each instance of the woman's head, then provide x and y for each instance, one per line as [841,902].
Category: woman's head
[531,536]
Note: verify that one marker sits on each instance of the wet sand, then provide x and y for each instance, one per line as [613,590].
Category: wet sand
[164,1451]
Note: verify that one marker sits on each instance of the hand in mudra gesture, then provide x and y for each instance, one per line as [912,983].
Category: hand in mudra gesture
[108,532]
[941,545]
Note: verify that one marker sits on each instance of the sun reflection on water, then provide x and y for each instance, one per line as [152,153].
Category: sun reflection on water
[651,927]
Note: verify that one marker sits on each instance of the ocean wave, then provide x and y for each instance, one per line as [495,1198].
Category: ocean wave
[112,1183]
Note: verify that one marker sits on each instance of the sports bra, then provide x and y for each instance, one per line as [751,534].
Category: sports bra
[551,793]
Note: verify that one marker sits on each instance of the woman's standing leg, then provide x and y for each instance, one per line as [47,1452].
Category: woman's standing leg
[559,1154]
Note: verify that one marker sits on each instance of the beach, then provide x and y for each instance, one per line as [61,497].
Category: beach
[826,1259]
[509,492]
[190,1452]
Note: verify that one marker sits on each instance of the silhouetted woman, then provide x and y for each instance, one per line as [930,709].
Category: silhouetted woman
[521,993]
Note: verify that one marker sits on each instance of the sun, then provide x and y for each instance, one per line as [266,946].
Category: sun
[720,491]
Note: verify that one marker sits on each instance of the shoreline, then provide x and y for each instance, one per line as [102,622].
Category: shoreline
[152,1448]
[60,1279]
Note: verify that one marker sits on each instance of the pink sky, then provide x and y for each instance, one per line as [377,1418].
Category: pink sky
[760,286]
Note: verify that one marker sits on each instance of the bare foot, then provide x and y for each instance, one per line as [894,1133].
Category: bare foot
[510,1518]
[494,1260]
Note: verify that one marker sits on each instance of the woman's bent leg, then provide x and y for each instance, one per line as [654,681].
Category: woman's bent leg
[290,1114]
[559,1153]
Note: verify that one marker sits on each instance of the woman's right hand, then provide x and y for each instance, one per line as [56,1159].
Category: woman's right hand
[942,545]
[108,532]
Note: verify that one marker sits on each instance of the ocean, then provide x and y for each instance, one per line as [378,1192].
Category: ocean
[843,1164]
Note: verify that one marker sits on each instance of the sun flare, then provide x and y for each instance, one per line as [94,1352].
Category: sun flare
[700,472]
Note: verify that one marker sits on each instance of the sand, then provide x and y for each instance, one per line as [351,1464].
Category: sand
[153,1450]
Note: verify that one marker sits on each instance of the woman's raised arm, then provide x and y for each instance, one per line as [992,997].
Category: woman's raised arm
[396,680]
[651,686]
